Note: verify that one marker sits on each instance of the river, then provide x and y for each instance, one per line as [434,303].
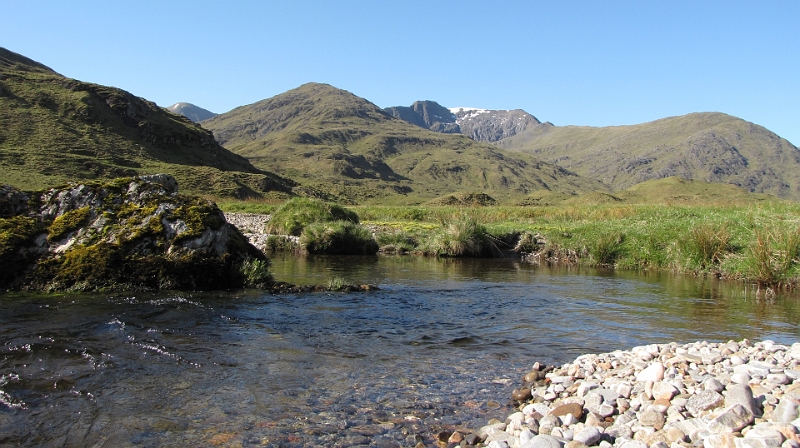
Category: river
[442,344]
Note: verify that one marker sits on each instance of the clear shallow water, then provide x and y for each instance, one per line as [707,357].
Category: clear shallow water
[442,344]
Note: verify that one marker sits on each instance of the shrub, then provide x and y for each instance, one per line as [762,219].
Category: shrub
[297,213]
[339,238]
[256,273]
[67,222]
[337,284]
[773,257]
[607,249]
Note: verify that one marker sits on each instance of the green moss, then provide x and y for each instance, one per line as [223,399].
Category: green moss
[198,215]
[96,263]
[68,222]
[15,233]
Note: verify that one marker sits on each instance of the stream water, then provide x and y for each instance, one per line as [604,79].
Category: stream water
[441,345]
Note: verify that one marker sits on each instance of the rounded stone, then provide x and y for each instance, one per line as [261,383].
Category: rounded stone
[543,441]
[523,393]
[786,411]
[573,409]
[713,384]
[675,435]
[588,435]
[740,378]
[652,418]
[778,378]
[654,372]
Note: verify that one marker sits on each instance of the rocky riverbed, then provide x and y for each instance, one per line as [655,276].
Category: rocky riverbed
[715,395]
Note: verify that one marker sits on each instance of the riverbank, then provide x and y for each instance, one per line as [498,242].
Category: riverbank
[716,395]
[754,243]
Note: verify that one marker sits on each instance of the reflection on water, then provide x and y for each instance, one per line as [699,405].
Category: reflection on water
[441,344]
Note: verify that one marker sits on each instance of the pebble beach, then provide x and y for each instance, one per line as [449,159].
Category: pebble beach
[716,395]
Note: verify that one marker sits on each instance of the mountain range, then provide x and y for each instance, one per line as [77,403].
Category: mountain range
[317,140]
[344,147]
[710,147]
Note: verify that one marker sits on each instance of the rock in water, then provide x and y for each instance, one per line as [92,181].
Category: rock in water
[124,234]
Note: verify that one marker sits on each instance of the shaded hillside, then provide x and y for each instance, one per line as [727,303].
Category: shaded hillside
[710,147]
[54,129]
[190,111]
[341,146]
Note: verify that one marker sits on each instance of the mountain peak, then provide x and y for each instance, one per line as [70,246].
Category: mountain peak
[190,111]
[483,125]
[427,114]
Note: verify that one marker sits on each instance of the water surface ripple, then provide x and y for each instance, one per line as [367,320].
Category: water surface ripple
[441,344]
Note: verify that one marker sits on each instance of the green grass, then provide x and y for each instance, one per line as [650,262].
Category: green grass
[338,238]
[297,213]
[256,273]
[728,241]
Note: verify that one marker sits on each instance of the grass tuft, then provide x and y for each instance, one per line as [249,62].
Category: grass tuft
[706,245]
[607,249]
[339,238]
[774,257]
[297,213]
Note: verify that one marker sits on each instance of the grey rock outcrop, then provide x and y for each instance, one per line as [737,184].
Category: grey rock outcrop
[428,115]
[125,234]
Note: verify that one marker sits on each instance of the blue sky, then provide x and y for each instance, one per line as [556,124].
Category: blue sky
[594,63]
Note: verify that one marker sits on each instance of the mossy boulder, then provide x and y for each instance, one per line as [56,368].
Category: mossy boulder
[124,234]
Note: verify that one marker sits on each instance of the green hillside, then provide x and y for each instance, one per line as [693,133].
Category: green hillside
[54,129]
[711,147]
[343,147]
[674,191]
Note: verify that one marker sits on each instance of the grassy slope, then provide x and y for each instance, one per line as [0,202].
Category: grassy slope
[350,150]
[711,147]
[55,129]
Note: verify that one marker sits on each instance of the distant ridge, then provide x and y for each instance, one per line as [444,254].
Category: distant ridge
[190,111]
[707,146]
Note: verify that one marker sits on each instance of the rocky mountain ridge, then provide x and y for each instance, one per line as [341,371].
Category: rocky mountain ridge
[482,125]
[492,126]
